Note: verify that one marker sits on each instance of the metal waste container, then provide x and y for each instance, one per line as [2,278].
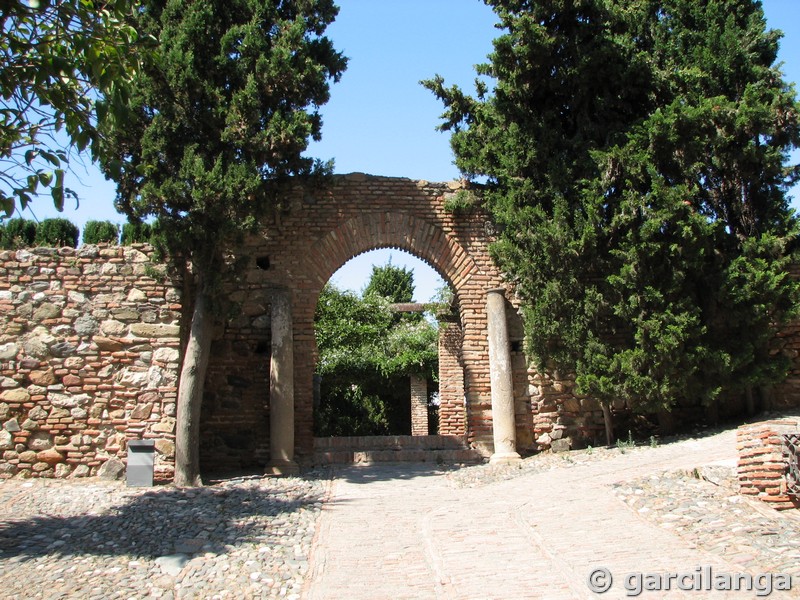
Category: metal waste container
[140,462]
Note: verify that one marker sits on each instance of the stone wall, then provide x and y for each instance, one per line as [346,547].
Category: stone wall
[319,230]
[89,358]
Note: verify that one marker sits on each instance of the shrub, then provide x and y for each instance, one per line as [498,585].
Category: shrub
[18,233]
[100,232]
[56,232]
[135,233]
[462,203]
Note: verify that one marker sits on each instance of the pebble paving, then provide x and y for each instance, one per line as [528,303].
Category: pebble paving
[242,538]
[703,507]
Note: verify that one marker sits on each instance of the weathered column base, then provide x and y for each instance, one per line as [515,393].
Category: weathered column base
[504,458]
[282,468]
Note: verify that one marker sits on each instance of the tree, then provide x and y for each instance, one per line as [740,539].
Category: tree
[396,284]
[634,157]
[219,120]
[367,352]
[65,64]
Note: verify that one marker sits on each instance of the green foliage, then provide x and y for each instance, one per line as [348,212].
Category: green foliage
[367,353]
[100,232]
[220,116]
[135,233]
[462,203]
[629,443]
[348,410]
[58,57]
[396,284]
[635,156]
[54,233]
[18,233]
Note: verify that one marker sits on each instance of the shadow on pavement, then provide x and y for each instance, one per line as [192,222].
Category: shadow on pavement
[371,473]
[158,522]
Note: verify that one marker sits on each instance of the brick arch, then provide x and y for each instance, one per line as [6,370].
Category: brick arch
[319,230]
[389,229]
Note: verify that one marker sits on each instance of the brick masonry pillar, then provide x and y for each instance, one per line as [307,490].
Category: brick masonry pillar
[762,465]
[501,377]
[419,406]
[452,413]
[281,388]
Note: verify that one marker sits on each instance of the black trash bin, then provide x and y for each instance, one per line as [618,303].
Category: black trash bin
[140,463]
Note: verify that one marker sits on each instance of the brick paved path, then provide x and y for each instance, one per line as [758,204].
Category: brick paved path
[405,532]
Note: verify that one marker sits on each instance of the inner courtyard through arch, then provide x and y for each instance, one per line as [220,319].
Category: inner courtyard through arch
[377,338]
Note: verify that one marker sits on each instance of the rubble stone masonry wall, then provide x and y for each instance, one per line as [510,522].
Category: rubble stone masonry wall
[89,359]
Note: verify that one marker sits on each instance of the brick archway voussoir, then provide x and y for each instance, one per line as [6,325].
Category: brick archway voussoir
[403,231]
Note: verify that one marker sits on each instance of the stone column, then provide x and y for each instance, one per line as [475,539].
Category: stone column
[503,425]
[419,406]
[281,388]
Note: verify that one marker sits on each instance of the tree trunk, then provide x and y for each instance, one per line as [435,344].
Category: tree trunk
[666,422]
[750,401]
[766,393]
[190,391]
[712,413]
[608,423]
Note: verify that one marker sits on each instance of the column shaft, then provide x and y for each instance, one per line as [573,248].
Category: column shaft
[281,388]
[501,376]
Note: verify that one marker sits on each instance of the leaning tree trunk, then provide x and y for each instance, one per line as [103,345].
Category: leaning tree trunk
[190,392]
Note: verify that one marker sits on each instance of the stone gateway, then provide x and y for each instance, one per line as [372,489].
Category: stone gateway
[90,342]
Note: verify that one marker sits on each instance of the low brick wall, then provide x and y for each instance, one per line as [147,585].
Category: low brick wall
[89,358]
[762,468]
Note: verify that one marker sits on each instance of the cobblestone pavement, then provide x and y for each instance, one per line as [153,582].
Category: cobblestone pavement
[534,530]
[244,538]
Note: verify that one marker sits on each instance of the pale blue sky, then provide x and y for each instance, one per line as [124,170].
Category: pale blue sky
[381,121]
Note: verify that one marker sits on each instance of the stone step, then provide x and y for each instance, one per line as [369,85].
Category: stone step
[366,457]
[391,442]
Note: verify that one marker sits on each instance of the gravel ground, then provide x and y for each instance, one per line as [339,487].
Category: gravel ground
[486,474]
[704,507]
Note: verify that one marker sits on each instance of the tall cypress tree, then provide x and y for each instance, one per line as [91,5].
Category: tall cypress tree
[219,119]
[634,159]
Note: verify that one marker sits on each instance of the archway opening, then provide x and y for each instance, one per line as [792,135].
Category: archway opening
[377,328]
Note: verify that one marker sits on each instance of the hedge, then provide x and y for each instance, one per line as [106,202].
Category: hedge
[17,233]
[56,232]
[100,232]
